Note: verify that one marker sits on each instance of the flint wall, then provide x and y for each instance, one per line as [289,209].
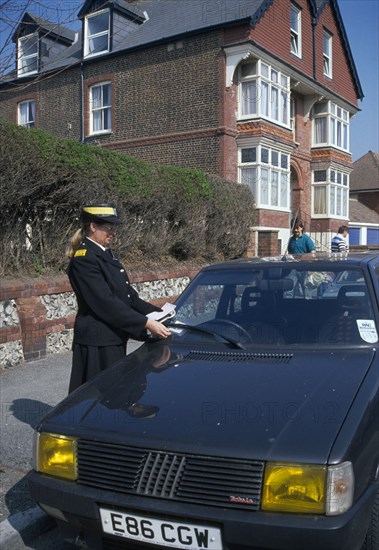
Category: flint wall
[37,314]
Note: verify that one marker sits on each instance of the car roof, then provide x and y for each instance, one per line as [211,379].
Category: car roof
[354,259]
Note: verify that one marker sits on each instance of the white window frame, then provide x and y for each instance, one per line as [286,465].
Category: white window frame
[27,108]
[327,54]
[103,33]
[100,113]
[264,93]
[29,55]
[335,122]
[267,175]
[330,194]
[295,30]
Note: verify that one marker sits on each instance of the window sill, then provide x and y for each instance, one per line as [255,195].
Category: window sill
[100,133]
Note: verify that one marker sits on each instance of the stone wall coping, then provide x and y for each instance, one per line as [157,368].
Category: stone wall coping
[25,287]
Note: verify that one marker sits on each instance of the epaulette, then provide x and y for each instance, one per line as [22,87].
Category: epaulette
[81,252]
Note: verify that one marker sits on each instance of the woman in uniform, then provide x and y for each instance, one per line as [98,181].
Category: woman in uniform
[109,309]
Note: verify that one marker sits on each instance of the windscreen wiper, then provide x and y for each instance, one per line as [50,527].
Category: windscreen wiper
[194,328]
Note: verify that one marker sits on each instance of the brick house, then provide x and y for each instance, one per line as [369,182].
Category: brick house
[364,200]
[257,91]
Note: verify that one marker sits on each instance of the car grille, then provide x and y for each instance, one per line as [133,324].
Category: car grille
[181,477]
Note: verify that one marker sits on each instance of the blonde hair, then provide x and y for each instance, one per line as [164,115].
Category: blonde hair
[76,239]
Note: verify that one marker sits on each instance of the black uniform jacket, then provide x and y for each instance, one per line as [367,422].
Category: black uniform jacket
[109,309]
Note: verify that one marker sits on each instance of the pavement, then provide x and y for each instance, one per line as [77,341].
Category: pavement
[27,393]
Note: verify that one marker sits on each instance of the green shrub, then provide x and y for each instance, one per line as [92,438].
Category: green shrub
[170,213]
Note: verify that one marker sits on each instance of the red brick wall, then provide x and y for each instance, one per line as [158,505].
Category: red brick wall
[272,32]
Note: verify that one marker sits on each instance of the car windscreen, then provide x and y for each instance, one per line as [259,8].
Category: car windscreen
[277,306]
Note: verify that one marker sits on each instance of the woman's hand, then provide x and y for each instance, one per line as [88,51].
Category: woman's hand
[157,328]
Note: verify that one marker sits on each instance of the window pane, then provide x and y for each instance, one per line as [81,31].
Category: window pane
[29,64]
[264,186]
[249,69]
[98,44]
[249,177]
[264,99]
[23,113]
[274,158]
[249,155]
[284,161]
[339,201]
[332,131]
[96,97]
[294,18]
[249,98]
[264,155]
[28,45]
[274,188]
[344,142]
[264,70]
[284,190]
[107,119]
[319,199]
[98,23]
[345,199]
[332,200]
[284,106]
[275,103]
[326,44]
[320,130]
[319,175]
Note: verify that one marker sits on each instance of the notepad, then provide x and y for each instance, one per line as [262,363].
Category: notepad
[168,311]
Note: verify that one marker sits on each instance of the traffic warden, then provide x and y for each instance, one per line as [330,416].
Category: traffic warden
[109,309]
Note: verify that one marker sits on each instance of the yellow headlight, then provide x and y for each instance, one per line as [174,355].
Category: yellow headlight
[56,455]
[296,488]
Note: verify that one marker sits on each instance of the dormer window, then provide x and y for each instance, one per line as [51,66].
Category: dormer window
[27,62]
[97,33]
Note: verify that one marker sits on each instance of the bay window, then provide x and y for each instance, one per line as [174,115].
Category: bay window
[264,92]
[266,171]
[100,108]
[330,193]
[330,126]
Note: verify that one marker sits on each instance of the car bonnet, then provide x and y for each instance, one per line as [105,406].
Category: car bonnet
[276,406]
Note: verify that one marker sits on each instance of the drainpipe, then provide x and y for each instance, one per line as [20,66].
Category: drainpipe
[314,23]
[81,102]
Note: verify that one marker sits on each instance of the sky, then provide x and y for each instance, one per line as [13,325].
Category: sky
[361,20]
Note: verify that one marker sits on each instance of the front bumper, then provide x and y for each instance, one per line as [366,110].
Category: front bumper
[240,529]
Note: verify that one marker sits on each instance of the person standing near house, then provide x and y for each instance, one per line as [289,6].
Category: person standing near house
[109,309]
[339,243]
[300,242]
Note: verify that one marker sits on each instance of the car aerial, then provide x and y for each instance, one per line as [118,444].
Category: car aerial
[254,426]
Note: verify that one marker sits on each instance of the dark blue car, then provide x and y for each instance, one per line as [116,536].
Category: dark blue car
[254,426]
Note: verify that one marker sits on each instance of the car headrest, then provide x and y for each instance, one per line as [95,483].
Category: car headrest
[275,284]
[353,297]
[250,297]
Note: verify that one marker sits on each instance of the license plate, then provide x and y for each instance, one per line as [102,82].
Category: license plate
[164,533]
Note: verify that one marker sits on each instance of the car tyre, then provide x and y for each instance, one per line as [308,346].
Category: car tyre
[372,537]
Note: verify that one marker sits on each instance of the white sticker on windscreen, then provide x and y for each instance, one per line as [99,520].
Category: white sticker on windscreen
[367,330]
